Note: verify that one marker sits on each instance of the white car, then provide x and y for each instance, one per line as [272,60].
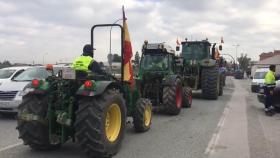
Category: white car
[11,93]
[7,74]
[258,79]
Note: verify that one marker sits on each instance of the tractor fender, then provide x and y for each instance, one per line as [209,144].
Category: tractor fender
[170,80]
[99,88]
[42,90]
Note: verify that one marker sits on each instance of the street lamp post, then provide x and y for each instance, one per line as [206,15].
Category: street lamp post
[110,47]
[236,46]
[44,58]
[231,58]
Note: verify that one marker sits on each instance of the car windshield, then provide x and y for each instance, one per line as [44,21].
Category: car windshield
[34,73]
[154,62]
[6,73]
[259,75]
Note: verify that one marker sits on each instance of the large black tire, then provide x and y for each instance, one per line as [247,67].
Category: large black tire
[221,85]
[187,97]
[142,122]
[210,82]
[224,79]
[172,98]
[90,124]
[35,133]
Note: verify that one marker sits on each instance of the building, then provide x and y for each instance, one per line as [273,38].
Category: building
[265,62]
[264,56]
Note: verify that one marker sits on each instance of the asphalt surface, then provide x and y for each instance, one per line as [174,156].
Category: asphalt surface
[188,135]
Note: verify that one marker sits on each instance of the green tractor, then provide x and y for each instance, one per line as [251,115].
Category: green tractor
[201,67]
[159,80]
[91,110]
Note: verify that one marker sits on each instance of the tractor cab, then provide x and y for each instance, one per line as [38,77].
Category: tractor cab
[195,50]
[157,58]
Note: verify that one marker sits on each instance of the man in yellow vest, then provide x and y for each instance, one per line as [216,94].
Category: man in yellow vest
[269,82]
[85,63]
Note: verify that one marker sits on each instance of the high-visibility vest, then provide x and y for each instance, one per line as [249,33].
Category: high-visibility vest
[81,63]
[269,78]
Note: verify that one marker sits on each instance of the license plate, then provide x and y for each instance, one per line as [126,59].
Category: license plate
[68,73]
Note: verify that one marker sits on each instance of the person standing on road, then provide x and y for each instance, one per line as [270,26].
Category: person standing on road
[268,90]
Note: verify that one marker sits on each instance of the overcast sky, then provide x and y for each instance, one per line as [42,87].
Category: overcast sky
[56,30]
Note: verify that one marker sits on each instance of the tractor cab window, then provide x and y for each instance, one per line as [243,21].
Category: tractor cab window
[195,51]
[154,62]
[171,61]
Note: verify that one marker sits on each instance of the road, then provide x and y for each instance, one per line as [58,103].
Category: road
[233,126]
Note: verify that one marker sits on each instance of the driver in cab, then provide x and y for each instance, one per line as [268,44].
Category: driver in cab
[85,63]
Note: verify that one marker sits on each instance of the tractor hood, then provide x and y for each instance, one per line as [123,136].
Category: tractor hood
[150,75]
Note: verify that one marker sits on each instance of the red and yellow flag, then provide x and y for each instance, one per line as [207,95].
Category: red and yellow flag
[128,70]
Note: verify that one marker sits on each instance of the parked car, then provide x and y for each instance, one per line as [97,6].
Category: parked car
[258,79]
[276,95]
[9,73]
[11,93]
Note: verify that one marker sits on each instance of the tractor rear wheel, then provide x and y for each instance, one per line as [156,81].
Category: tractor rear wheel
[34,133]
[210,82]
[221,85]
[100,124]
[187,97]
[172,98]
[142,117]
[224,79]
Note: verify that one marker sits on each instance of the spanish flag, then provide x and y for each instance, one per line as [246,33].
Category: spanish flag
[128,70]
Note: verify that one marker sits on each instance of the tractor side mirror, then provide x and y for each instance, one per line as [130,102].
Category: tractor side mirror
[177,48]
[220,47]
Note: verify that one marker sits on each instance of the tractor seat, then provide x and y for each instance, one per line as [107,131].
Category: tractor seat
[81,75]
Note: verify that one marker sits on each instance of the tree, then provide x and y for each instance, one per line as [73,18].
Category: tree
[137,58]
[117,58]
[5,63]
[244,61]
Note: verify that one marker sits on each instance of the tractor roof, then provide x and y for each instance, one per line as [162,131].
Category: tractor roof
[157,46]
[196,42]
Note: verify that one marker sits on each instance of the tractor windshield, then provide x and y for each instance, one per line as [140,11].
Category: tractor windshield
[196,51]
[154,62]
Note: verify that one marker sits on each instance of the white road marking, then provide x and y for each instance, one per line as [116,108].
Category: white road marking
[231,136]
[215,137]
[10,146]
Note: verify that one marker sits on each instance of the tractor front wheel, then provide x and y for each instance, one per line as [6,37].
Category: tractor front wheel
[142,117]
[34,133]
[187,97]
[100,124]
[172,98]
